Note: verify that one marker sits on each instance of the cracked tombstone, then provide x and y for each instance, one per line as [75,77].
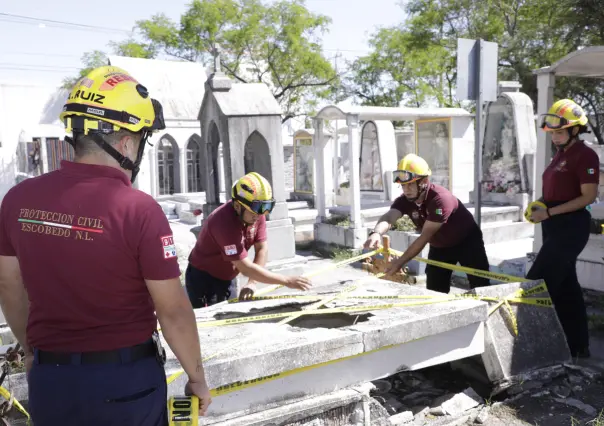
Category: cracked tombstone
[540,341]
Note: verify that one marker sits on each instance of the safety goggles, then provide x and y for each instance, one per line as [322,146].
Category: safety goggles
[403,176]
[258,207]
[554,122]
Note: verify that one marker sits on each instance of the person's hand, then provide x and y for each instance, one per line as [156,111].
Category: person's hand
[539,215]
[394,267]
[201,391]
[298,283]
[373,241]
[247,292]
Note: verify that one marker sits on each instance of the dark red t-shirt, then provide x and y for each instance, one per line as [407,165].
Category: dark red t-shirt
[86,241]
[569,169]
[224,239]
[443,207]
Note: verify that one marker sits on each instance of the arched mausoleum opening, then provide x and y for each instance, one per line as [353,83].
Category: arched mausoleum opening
[257,156]
[500,167]
[371,175]
[194,168]
[168,166]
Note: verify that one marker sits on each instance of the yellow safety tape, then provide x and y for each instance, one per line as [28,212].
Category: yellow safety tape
[7,395]
[471,271]
[235,343]
[517,297]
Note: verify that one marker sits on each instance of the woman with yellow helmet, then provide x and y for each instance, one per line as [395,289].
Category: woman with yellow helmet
[221,251]
[98,260]
[570,184]
[444,223]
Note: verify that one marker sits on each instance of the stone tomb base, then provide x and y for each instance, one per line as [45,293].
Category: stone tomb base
[328,352]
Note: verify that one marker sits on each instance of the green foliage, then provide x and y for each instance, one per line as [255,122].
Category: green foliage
[277,43]
[91,60]
[404,224]
[415,63]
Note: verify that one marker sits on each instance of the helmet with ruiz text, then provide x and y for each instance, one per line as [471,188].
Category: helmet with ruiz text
[255,193]
[107,100]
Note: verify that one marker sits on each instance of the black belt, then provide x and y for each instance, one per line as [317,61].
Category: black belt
[131,354]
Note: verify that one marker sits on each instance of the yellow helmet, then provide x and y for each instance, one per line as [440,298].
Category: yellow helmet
[411,168]
[255,193]
[106,100]
[563,114]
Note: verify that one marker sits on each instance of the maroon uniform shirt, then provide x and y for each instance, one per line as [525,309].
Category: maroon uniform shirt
[224,239]
[86,241]
[443,207]
[569,169]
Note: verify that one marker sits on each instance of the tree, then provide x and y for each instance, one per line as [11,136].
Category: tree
[278,44]
[91,60]
[415,63]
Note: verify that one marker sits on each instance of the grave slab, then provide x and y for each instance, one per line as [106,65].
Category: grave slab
[540,341]
[329,352]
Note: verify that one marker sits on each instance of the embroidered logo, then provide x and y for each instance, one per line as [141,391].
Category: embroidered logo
[560,167]
[591,171]
[439,211]
[230,250]
[415,215]
[167,243]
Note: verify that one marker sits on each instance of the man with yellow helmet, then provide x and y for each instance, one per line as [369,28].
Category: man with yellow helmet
[88,266]
[570,184]
[444,223]
[221,251]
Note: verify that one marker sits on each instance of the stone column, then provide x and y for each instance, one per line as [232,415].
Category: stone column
[355,182]
[43,156]
[152,156]
[220,171]
[317,144]
[543,154]
[182,154]
[335,161]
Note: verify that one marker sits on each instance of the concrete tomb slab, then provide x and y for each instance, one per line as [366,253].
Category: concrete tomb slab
[331,354]
[540,341]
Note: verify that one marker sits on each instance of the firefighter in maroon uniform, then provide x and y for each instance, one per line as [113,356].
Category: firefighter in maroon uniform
[444,222]
[88,266]
[220,253]
[570,184]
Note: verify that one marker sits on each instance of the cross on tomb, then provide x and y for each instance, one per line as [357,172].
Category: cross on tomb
[216,54]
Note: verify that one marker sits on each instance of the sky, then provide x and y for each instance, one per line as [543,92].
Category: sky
[38,52]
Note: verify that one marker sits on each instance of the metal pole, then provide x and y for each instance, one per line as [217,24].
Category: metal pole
[478,136]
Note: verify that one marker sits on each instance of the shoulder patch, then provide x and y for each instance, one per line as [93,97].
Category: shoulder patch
[591,171]
[167,243]
[230,250]
[438,211]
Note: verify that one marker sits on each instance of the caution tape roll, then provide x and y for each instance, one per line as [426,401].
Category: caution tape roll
[183,410]
[535,205]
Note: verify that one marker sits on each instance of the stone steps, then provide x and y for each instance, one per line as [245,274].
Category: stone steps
[496,232]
